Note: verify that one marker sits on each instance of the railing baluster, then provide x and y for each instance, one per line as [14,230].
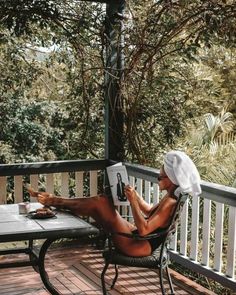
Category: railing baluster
[50,183]
[156,193]
[79,184]
[18,189]
[93,183]
[184,229]
[218,236]
[194,228]
[34,179]
[206,228]
[132,181]
[140,187]
[3,189]
[231,249]
[93,187]
[65,184]
[173,241]
[129,211]
[147,188]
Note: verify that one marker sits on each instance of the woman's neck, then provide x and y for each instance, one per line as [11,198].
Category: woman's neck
[171,191]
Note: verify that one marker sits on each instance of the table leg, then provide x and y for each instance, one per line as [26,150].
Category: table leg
[42,271]
[33,256]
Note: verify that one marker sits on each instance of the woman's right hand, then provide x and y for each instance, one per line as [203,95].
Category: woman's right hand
[130,193]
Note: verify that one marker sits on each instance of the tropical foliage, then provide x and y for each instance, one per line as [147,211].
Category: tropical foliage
[213,147]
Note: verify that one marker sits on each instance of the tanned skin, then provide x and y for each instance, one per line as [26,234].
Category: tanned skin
[102,210]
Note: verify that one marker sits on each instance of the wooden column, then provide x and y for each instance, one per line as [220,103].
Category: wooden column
[114,115]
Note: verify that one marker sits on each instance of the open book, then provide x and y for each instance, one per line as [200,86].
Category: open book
[118,179]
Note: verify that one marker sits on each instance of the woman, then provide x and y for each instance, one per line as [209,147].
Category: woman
[177,175]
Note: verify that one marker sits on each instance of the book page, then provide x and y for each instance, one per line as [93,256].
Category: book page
[118,179]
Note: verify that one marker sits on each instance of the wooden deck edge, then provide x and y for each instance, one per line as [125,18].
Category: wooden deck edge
[188,285]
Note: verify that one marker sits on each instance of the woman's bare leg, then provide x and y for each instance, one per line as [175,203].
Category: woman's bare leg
[102,210]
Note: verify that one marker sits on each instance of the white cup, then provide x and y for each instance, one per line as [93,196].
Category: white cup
[24,208]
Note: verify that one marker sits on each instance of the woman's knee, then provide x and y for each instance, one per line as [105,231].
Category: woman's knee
[104,206]
[105,200]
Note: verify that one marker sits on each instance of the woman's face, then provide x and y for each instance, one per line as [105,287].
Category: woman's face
[164,182]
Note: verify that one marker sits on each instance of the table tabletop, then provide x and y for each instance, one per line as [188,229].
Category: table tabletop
[16,227]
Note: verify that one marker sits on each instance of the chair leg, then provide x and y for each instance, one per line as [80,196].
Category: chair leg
[170,281]
[161,281]
[103,278]
[115,278]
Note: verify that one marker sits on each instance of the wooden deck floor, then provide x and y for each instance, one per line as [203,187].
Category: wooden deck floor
[77,269]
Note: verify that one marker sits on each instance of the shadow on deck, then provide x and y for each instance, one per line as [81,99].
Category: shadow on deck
[77,269]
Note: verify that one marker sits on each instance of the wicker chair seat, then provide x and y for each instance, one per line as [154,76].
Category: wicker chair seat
[151,261]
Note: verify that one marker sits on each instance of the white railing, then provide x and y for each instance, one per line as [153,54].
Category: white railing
[205,241]
[66,178]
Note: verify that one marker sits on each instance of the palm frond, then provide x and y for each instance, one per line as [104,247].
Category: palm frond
[213,148]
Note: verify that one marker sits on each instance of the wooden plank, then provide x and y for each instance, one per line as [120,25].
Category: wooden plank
[231,250]
[132,181]
[156,193]
[93,183]
[129,211]
[206,228]
[93,276]
[139,188]
[50,183]
[194,228]
[3,189]
[34,180]
[184,229]
[18,189]
[65,184]
[173,241]
[47,167]
[147,191]
[81,282]
[79,184]
[218,236]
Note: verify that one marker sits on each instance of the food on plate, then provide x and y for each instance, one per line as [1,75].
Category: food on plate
[44,212]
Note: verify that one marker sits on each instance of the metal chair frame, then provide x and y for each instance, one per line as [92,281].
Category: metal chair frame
[159,259]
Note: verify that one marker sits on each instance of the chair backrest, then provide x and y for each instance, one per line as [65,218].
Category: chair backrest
[177,213]
[172,225]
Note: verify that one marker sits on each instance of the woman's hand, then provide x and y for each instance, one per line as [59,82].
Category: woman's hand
[130,193]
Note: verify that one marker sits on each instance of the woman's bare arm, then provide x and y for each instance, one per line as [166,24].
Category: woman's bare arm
[158,220]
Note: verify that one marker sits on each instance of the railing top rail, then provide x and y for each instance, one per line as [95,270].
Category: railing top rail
[219,193]
[216,192]
[52,167]
[139,171]
[213,191]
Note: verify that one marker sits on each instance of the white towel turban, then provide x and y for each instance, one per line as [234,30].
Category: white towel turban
[182,171]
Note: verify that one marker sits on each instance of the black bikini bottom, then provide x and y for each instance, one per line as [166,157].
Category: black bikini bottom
[155,242]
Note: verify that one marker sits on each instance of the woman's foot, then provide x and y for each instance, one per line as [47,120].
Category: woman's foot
[46,199]
[43,197]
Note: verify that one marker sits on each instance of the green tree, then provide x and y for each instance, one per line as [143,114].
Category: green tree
[161,87]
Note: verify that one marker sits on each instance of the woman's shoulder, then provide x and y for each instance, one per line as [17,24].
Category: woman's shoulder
[169,201]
